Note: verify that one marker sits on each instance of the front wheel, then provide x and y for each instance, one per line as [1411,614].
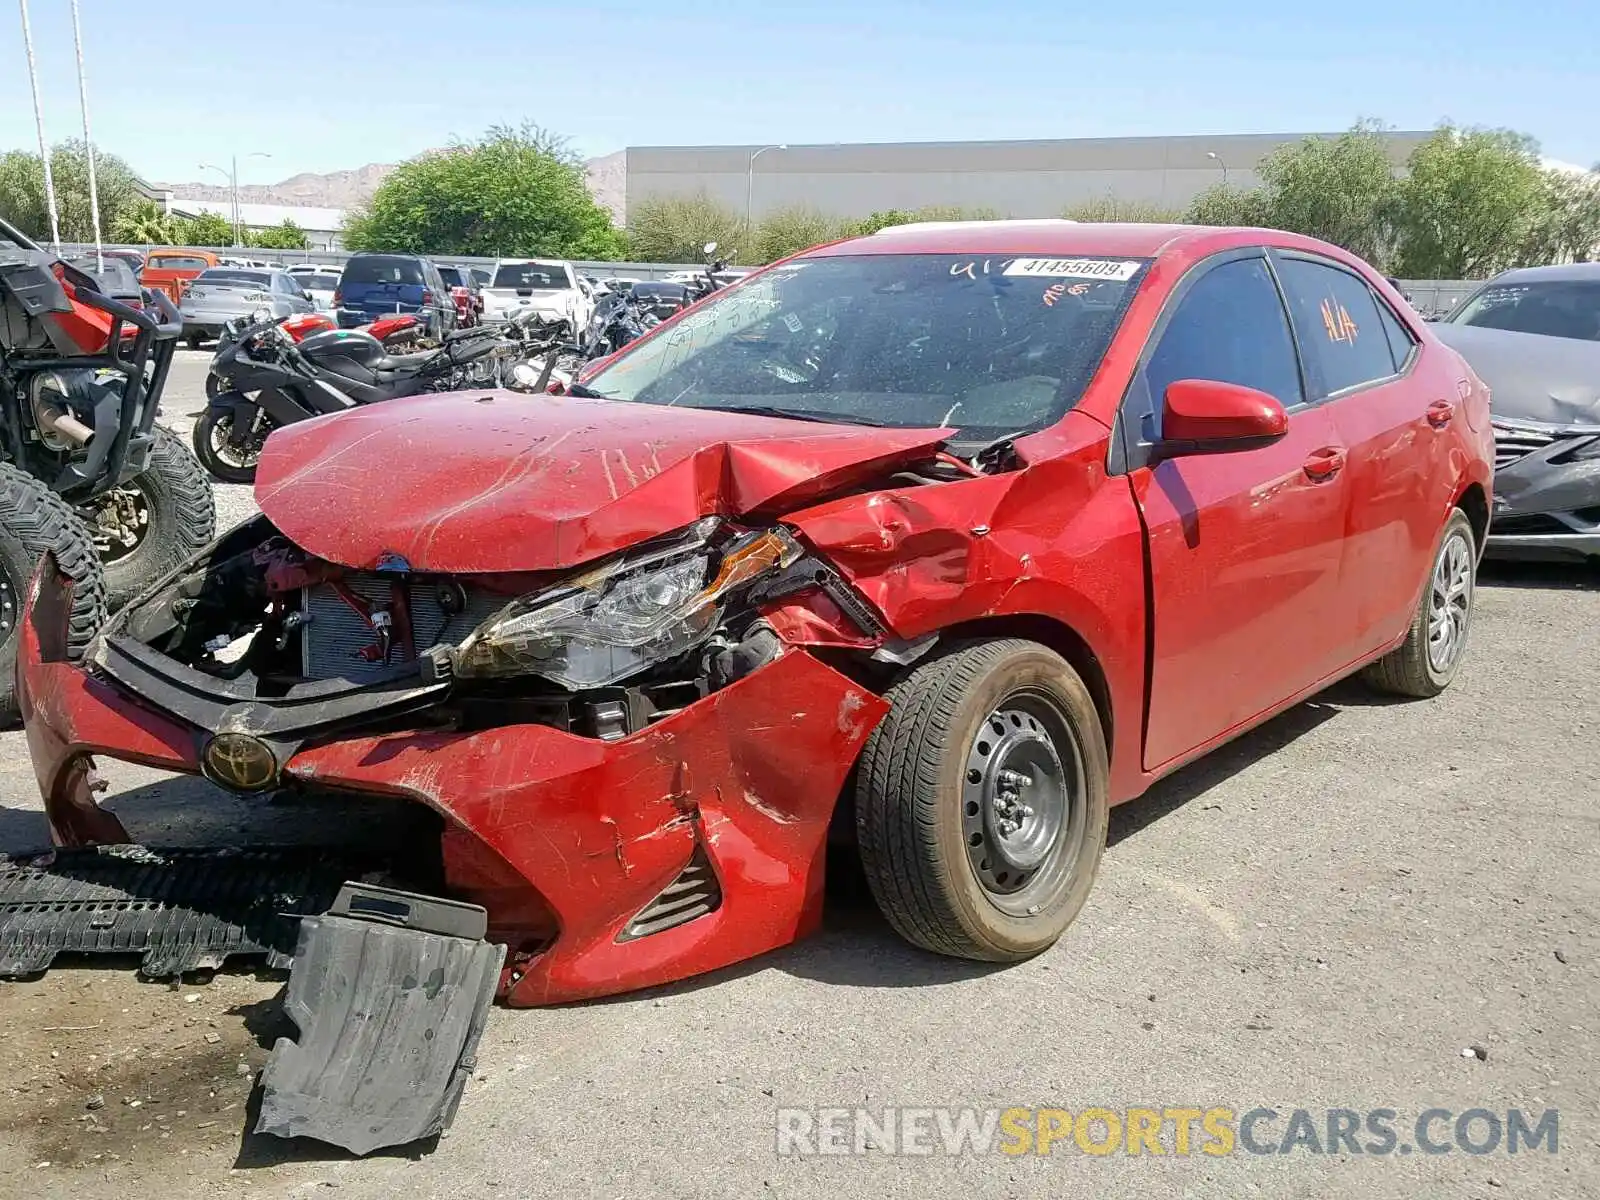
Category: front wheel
[230,459]
[982,799]
[1423,665]
[33,520]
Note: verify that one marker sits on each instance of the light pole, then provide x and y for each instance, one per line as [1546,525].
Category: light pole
[233,188]
[88,138]
[750,181]
[38,120]
[1214,155]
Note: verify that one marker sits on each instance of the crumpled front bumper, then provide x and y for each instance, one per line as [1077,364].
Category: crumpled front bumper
[1546,502]
[564,839]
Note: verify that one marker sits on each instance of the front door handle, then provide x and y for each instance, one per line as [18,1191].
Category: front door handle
[1440,413]
[1324,463]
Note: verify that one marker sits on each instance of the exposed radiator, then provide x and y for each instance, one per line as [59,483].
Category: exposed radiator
[442,610]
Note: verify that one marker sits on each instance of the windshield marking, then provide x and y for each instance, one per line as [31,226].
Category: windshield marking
[1075,268]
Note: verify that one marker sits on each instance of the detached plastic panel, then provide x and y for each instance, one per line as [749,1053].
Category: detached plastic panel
[390,993]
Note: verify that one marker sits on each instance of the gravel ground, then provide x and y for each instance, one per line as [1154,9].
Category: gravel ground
[1326,914]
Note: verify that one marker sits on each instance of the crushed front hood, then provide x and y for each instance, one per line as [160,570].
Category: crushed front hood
[501,481]
[1531,377]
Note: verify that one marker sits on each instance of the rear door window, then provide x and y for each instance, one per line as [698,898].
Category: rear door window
[1336,319]
[1401,343]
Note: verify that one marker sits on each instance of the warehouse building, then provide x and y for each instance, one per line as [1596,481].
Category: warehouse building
[1017,179]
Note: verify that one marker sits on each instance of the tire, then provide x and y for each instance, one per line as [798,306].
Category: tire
[193,340]
[34,520]
[929,799]
[1412,669]
[182,515]
[207,429]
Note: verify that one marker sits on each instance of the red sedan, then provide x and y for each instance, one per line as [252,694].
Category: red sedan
[945,539]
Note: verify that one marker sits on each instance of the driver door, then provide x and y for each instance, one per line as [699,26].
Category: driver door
[1244,547]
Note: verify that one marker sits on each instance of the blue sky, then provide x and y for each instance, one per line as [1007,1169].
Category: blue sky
[377,82]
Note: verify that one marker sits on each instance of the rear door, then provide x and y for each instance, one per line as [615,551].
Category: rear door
[1363,365]
[1244,547]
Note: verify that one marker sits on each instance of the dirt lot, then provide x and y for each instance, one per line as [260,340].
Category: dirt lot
[1325,914]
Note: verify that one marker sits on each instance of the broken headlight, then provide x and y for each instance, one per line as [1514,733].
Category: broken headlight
[623,616]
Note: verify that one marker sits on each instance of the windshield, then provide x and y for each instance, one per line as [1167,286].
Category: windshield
[451,277]
[1568,308]
[317,283]
[380,268]
[536,276]
[991,347]
[229,275]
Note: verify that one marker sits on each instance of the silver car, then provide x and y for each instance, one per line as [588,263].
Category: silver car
[221,294]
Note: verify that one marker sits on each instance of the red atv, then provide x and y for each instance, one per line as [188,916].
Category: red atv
[85,473]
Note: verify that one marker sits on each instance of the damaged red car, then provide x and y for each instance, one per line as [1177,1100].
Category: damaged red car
[939,541]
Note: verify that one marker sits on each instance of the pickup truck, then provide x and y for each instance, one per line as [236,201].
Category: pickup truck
[169,270]
[549,287]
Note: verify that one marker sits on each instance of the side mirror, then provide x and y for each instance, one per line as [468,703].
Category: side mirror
[1203,416]
[308,296]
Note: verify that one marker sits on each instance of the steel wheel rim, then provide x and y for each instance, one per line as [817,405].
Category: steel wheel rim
[1449,603]
[1022,802]
[110,547]
[244,459]
[9,610]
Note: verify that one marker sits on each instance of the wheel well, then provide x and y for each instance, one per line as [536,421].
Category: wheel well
[1475,504]
[1063,639]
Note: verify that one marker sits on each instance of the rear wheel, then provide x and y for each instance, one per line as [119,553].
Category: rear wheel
[981,801]
[154,522]
[229,459]
[33,520]
[1425,663]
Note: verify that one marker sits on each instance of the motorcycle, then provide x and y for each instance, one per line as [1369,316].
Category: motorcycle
[267,379]
[400,334]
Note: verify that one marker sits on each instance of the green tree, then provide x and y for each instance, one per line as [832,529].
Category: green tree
[1222,204]
[287,236]
[1342,190]
[1113,208]
[514,191]
[1567,228]
[143,225]
[875,221]
[673,229]
[206,229]
[1470,204]
[22,192]
[787,231]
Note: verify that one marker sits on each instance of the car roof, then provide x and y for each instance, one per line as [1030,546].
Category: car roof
[1044,236]
[1557,273]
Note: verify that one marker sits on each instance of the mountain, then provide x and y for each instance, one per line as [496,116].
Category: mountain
[607,178]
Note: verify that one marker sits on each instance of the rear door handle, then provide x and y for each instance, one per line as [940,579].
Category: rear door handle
[1324,463]
[1440,413]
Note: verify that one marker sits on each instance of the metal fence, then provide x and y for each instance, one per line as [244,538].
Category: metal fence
[1430,297]
[337,258]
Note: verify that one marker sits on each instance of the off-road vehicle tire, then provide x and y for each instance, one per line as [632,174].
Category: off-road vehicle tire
[183,519]
[1421,666]
[207,427]
[980,735]
[34,520]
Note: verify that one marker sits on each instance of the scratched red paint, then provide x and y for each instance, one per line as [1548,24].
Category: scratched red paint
[1196,596]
